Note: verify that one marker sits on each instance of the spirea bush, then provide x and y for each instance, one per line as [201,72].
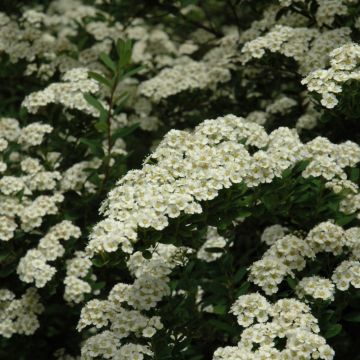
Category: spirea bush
[179,180]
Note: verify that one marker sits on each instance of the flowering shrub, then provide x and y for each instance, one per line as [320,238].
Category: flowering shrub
[179,180]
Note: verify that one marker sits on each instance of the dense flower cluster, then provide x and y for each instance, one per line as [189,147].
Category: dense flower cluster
[316,287]
[33,266]
[19,316]
[328,83]
[188,76]
[32,207]
[308,47]
[149,287]
[69,93]
[289,253]
[287,319]
[193,167]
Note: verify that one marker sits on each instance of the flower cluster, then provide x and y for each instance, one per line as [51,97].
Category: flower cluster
[316,287]
[188,76]
[289,253]
[31,207]
[287,319]
[326,10]
[69,93]
[281,106]
[346,274]
[77,268]
[147,290]
[190,167]
[33,266]
[194,167]
[251,308]
[273,233]
[307,46]
[19,316]
[328,83]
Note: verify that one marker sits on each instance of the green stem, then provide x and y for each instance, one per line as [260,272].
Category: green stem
[108,130]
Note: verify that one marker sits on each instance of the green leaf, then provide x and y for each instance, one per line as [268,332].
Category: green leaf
[94,102]
[95,146]
[99,78]
[240,274]
[8,270]
[354,174]
[105,59]
[301,166]
[133,71]
[4,255]
[121,133]
[352,317]
[101,126]
[94,177]
[243,213]
[120,102]
[223,326]
[220,309]
[99,285]
[345,219]
[99,262]
[243,289]
[332,331]
[124,50]
[291,282]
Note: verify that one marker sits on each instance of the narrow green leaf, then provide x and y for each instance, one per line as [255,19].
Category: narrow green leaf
[345,219]
[220,309]
[124,49]
[101,79]
[99,285]
[121,100]
[98,262]
[223,326]
[103,116]
[243,289]
[291,282]
[240,274]
[332,331]
[105,59]
[101,126]
[243,213]
[119,45]
[354,174]
[121,133]
[94,102]
[352,317]
[95,146]
[133,71]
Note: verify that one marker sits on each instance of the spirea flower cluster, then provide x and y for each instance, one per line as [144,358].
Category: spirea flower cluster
[343,67]
[287,319]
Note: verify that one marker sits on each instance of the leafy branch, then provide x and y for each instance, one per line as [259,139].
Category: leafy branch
[118,69]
